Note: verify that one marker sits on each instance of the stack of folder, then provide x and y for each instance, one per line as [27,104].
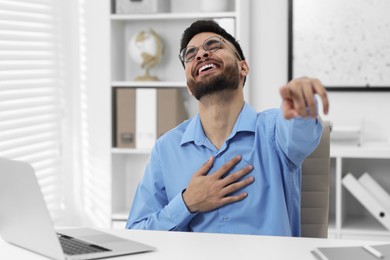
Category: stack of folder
[142,115]
[371,195]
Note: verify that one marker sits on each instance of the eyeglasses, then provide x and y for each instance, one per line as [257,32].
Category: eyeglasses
[211,44]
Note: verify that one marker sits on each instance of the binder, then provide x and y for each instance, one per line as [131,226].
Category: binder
[376,190]
[125,118]
[170,110]
[145,117]
[144,114]
[367,200]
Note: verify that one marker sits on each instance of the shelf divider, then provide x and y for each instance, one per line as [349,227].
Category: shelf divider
[149,84]
[171,16]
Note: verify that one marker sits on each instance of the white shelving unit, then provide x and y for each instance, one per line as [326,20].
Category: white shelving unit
[348,218]
[128,164]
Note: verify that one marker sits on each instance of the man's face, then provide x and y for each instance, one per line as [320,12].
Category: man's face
[211,72]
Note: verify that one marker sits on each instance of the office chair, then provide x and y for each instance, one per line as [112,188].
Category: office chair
[315,188]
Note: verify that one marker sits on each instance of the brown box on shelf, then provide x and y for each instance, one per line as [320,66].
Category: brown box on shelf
[170,110]
[142,6]
[125,117]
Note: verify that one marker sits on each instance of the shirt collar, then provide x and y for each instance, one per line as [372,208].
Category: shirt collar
[246,121]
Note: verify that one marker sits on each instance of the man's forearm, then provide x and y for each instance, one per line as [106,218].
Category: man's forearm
[298,137]
[173,216]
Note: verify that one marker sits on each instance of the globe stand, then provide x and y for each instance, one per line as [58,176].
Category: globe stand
[146,77]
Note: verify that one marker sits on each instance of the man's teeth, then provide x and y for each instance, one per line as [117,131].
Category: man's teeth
[207,66]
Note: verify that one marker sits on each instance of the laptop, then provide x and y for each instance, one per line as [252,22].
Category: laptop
[25,222]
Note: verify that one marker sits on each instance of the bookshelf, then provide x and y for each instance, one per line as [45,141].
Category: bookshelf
[349,219]
[127,164]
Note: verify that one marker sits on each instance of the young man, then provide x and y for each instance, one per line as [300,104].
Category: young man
[229,169]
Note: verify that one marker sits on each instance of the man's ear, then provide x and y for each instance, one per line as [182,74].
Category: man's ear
[244,68]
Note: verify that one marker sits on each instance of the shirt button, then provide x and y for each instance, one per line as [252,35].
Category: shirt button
[225,219]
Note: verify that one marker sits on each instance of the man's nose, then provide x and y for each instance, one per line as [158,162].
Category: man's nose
[202,54]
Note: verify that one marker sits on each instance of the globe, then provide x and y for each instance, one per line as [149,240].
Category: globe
[146,49]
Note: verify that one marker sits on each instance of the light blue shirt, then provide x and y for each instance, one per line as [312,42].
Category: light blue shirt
[274,146]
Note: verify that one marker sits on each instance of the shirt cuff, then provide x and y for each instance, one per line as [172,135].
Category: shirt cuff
[179,212]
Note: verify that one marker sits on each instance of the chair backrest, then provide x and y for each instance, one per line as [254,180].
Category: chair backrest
[315,188]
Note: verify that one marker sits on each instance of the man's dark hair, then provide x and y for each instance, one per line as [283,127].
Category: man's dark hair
[208,26]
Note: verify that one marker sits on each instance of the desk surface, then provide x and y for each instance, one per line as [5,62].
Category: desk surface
[184,245]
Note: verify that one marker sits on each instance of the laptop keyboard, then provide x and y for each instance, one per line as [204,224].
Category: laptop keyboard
[73,246]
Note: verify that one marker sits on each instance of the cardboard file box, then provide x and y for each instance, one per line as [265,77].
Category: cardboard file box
[142,6]
[125,118]
[142,115]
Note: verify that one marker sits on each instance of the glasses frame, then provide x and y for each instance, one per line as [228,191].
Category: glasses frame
[222,40]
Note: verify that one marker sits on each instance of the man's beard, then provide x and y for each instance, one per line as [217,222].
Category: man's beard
[227,80]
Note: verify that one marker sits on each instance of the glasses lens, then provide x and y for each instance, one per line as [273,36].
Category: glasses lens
[212,44]
[189,53]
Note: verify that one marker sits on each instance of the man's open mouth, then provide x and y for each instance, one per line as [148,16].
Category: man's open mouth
[207,67]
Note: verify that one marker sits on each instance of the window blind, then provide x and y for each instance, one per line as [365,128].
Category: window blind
[31,92]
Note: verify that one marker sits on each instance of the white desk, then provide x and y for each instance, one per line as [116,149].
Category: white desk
[183,245]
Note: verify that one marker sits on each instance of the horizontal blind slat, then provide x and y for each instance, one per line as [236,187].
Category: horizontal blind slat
[11,135]
[21,111]
[26,124]
[53,200]
[28,55]
[29,2]
[24,67]
[8,16]
[29,112]
[20,140]
[4,105]
[34,71]
[30,75]
[47,171]
[45,167]
[21,67]
[21,152]
[39,98]
[27,141]
[28,84]
[25,46]
[25,28]
[37,146]
[51,194]
[25,93]
[14,6]
[29,63]
[6,36]
[44,2]
[44,155]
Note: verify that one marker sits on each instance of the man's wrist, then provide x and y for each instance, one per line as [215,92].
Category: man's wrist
[185,200]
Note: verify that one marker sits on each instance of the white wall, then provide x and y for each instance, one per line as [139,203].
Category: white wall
[92,182]
[269,71]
